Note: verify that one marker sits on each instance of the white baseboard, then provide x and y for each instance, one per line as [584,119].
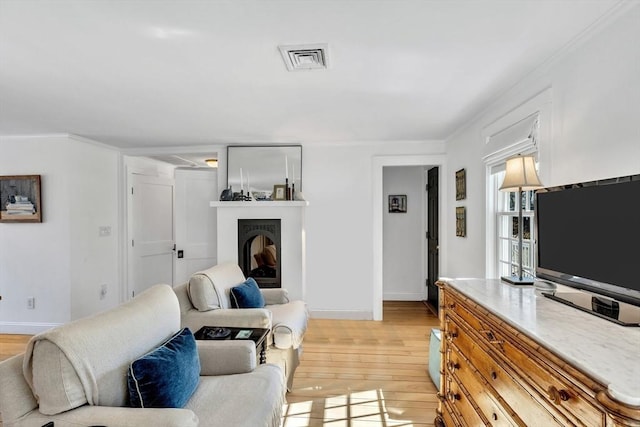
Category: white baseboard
[403,296]
[341,314]
[25,328]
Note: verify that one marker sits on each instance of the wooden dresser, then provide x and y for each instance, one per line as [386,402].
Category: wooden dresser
[511,357]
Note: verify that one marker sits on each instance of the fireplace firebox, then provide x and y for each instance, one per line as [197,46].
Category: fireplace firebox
[259,247]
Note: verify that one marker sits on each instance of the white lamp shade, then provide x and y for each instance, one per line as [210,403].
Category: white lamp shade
[521,174]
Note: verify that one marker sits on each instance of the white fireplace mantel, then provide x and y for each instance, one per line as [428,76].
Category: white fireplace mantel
[263,204]
[292,235]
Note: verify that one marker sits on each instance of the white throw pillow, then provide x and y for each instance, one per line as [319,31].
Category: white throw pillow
[202,292]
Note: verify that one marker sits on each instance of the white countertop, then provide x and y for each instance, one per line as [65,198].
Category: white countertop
[608,352]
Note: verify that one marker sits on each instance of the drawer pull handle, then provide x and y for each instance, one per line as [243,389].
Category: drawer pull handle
[558,396]
[494,416]
[494,376]
[453,366]
[451,306]
[453,397]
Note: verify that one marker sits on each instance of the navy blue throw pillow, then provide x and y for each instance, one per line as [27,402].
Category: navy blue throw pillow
[247,295]
[167,376]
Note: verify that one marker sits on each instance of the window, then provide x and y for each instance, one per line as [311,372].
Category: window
[506,227]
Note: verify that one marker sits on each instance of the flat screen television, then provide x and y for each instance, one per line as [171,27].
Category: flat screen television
[588,236]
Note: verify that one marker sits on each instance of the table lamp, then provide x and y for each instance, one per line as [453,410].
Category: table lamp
[520,176]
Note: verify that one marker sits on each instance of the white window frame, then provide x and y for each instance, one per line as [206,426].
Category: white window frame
[505,213]
[503,139]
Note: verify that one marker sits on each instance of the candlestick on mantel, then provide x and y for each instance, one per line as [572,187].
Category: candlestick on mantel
[286,167]
[241,181]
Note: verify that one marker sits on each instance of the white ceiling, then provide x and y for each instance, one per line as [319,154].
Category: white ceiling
[179,72]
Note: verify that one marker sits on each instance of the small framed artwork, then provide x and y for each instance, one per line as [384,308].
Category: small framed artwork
[461,221]
[20,198]
[279,192]
[461,184]
[398,203]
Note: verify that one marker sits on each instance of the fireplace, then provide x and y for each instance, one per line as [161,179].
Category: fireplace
[259,251]
[290,252]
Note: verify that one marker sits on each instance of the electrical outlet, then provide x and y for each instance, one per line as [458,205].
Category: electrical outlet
[31,303]
[103,291]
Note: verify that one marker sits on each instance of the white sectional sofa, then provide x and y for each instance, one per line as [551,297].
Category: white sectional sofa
[77,374]
[205,301]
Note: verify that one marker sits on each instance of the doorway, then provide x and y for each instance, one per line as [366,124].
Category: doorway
[379,204]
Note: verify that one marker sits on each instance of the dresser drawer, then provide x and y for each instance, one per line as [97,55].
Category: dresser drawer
[557,393]
[530,411]
[483,396]
[458,400]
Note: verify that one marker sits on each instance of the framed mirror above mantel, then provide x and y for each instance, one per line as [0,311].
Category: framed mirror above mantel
[257,168]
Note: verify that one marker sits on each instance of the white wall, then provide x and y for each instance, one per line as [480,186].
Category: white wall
[594,129]
[62,261]
[339,222]
[404,235]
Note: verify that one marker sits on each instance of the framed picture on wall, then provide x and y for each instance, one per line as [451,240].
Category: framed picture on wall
[461,221]
[20,198]
[461,184]
[398,203]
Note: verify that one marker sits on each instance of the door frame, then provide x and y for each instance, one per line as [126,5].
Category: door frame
[379,162]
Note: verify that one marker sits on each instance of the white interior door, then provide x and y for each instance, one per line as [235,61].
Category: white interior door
[151,235]
[195,221]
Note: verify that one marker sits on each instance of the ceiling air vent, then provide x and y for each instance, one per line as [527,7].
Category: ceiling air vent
[305,57]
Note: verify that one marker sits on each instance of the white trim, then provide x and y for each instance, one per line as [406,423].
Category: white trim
[26,328]
[379,162]
[258,204]
[188,149]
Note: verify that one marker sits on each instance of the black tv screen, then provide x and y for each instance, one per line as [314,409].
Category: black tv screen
[588,236]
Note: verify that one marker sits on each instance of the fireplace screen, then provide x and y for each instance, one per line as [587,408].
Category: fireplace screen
[259,250]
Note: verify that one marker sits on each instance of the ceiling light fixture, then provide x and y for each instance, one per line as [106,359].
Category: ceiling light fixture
[212,163]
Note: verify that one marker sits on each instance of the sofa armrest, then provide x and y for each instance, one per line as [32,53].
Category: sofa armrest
[232,317]
[88,415]
[226,357]
[275,296]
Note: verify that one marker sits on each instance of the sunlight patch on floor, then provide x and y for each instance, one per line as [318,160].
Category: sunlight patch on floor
[358,409]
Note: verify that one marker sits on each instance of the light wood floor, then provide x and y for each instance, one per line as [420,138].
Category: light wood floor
[354,373]
[366,373]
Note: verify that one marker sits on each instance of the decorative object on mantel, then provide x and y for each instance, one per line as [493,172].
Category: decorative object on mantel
[461,221]
[520,175]
[279,192]
[20,199]
[226,195]
[398,203]
[461,184]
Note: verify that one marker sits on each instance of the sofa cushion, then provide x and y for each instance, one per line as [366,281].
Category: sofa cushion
[167,376]
[202,292]
[247,295]
[84,362]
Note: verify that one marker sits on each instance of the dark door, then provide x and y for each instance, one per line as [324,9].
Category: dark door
[432,238]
